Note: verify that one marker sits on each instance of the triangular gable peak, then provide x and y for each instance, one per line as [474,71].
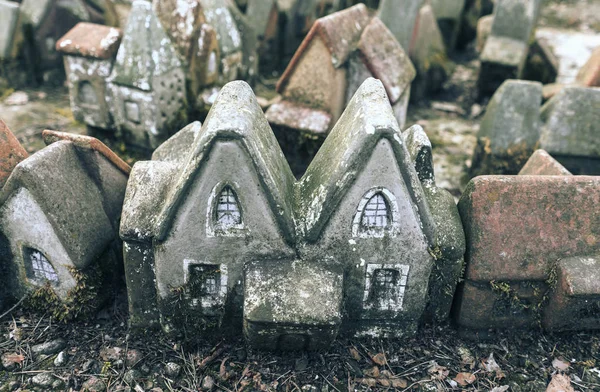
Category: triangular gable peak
[11,152]
[236,115]
[58,182]
[146,51]
[340,32]
[367,120]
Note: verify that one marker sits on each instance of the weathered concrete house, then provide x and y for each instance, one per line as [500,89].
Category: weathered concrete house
[89,51]
[340,52]
[224,198]
[59,213]
[216,227]
[147,83]
[214,41]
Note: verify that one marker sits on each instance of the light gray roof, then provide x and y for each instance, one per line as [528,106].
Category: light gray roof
[367,119]
[160,186]
[146,51]
[220,15]
[58,181]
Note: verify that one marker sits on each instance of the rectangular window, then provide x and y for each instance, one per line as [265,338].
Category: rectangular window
[384,286]
[132,112]
[206,286]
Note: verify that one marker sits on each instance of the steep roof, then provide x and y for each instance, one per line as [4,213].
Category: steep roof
[351,30]
[60,184]
[386,59]
[11,152]
[182,19]
[339,31]
[367,119]
[222,16]
[234,115]
[90,40]
[146,51]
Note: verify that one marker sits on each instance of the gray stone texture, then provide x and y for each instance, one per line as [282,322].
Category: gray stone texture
[428,53]
[400,16]
[506,49]
[60,213]
[9,16]
[570,127]
[449,242]
[509,130]
[449,15]
[293,243]
[147,83]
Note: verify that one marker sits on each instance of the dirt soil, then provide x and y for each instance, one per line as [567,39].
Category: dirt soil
[106,355]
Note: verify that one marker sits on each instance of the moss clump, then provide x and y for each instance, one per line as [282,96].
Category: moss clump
[81,301]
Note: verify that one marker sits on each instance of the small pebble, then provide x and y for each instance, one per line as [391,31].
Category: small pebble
[44,380]
[172,369]
[208,383]
[61,359]
[17,98]
[49,348]
[94,384]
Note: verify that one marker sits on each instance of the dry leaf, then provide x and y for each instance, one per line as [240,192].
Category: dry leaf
[399,383]
[490,365]
[559,364]
[379,359]
[560,383]
[438,372]
[463,379]
[354,353]
[13,358]
[466,358]
[373,372]
[384,382]
[370,382]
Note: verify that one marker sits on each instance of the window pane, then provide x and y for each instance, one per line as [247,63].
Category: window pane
[228,211]
[376,214]
[38,268]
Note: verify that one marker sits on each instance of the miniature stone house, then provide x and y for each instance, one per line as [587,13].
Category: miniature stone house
[212,198]
[530,239]
[214,41]
[506,49]
[340,51]
[89,52]
[147,82]
[217,230]
[59,212]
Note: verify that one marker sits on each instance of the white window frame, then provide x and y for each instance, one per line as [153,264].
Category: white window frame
[211,227]
[398,304]
[392,231]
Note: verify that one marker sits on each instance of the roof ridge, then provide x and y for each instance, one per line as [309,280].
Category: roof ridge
[87,142]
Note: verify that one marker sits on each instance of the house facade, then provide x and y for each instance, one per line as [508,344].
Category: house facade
[340,51]
[89,51]
[41,208]
[147,82]
[217,213]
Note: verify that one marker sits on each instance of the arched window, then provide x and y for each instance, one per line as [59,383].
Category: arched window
[37,267]
[227,213]
[375,214]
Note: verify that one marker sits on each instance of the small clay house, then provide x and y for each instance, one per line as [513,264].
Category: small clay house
[147,82]
[340,52]
[216,228]
[89,51]
[59,215]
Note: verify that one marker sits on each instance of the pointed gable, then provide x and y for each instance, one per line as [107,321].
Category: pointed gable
[59,183]
[146,51]
[367,119]
[235,115]
[11,152]
[340,33]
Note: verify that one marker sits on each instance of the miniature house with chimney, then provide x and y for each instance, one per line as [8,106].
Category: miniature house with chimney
[338,54]
[147,83]
[216,227]
[89,52]
[59,214]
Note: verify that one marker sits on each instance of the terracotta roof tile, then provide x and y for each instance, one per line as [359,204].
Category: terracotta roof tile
[91,40]
[11,152]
